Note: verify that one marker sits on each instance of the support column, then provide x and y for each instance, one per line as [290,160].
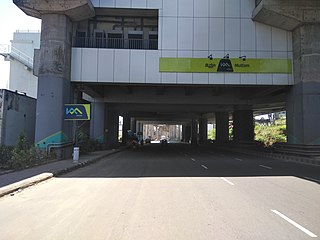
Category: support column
[194,132]
[125,128]
[97,122]
[54,81]
[183,132]
[188,133]
[111,128]
[140,127]
[222,127]
[243,126]
[203,130]
[303,103]
[133,125]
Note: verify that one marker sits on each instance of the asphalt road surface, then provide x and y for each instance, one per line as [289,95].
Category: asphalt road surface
[173,192]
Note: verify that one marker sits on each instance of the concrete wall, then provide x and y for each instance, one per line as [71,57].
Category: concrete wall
[22,79]
[192,29]
[18,113]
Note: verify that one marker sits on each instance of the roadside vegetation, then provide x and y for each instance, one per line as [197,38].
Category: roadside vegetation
[23,155]
[271,133]
[266,133]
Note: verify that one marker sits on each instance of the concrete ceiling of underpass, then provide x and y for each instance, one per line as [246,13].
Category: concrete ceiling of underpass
[166,103]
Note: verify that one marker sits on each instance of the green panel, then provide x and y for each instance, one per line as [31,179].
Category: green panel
[236,65]
[59,137]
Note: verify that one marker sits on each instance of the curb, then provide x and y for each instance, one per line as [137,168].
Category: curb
[24,183]
[18,186]
[279,156]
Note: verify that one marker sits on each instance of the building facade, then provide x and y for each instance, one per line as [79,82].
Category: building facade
[20,54]
[17,116]
[177,60]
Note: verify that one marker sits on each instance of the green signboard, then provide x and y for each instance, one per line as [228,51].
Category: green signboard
[233,65]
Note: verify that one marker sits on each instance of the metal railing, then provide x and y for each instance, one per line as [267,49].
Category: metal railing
[116,43]
[22,57]
[7,50]
[50,146]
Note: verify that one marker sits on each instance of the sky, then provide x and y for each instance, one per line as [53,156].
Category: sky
[12,19]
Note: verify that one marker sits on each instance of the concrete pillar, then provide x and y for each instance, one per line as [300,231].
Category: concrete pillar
[243,125]
[111,128]
[187,133]
[183,133]
[194,132]
[54,81]
[222,127]
[133,125]
[139,126]
[125,128]
[303,103]
[203,130]
[97,122]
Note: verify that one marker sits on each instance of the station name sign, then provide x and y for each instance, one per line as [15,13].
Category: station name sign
[77,111]
[232,65]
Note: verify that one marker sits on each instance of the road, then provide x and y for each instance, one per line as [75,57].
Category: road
[172,192]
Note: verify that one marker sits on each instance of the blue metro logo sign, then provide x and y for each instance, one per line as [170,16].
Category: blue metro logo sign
[77,111]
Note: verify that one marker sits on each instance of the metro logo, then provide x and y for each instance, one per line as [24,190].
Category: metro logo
[225,65]
[77,112]
[73,111]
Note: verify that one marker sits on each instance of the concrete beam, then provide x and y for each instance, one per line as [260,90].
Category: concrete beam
[76,10]
[287,14]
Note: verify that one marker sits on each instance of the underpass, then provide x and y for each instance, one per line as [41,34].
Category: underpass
[174,192]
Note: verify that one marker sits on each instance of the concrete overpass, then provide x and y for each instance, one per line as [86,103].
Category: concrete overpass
[230,59]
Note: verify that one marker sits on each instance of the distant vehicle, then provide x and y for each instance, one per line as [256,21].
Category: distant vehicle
[163,140]
[148,139]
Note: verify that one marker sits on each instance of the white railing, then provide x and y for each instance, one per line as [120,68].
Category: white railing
[27,31]
[7,50]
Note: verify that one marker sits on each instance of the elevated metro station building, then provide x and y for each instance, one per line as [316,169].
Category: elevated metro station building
[179,62]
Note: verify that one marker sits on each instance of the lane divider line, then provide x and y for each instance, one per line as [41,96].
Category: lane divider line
[204,167]
[238,159]
[226,180]
[193,159]
[306,231]
[265,166]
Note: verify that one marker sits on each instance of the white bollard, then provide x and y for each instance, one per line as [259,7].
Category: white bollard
[75,154]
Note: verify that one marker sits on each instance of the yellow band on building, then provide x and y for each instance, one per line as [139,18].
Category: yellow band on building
[233,65]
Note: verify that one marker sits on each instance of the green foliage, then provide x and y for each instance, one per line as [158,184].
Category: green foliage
[21,156]
[270,134]
[212,134]
[86,144]
[5,156]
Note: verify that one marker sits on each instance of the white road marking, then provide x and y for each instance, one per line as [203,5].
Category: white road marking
[204,166]
[312,179]
[193,159]
[226,180]
[265,166]
[238,159]
[306,231]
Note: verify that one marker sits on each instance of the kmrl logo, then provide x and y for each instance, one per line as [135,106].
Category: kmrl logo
[225,65]
[73,111]
[77,112]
